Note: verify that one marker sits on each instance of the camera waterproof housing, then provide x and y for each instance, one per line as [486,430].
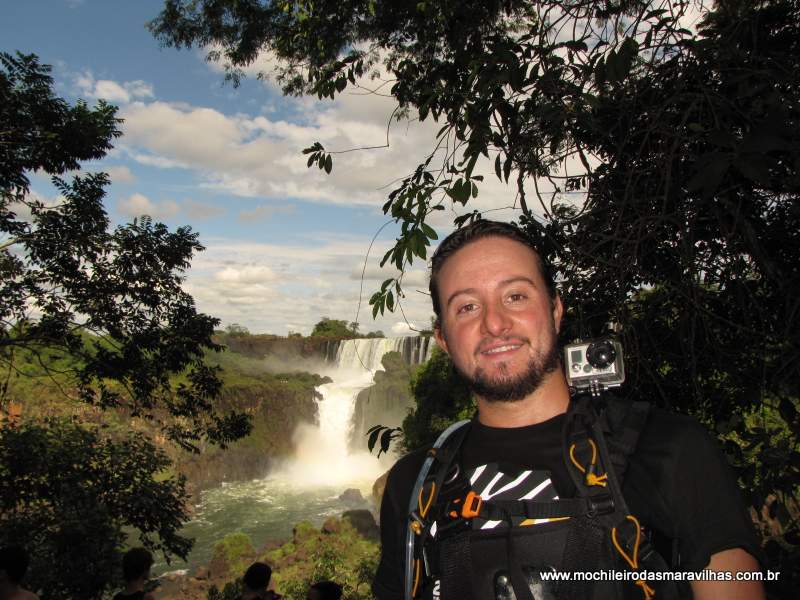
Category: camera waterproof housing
[594,365]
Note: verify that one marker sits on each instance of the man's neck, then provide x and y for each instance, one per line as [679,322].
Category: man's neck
[548,400]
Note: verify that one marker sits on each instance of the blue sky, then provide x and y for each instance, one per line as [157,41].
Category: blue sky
[285,245]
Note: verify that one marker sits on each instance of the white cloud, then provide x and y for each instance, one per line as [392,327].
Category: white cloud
[246,275]
[267,286]
[137,205]
[112,91]
[263,212]
[403,328]
[260,156]
[119,174]
[201,210]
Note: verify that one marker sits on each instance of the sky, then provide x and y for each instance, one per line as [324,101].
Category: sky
[285,245]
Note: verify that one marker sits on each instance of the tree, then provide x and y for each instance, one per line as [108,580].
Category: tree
[102,313]
[236,330]
[112,299]
[67,493]
[669,155]
[442,397]
[333,328]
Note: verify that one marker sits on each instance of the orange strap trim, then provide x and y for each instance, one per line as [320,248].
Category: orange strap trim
[591,477]
[646,589]
[416,578]
[424,510]
[633,560]
[472,505]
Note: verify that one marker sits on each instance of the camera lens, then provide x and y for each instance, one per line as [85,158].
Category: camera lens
[601,354]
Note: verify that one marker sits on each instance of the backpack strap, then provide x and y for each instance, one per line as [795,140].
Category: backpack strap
[613,435]
[623,422]
[422,499]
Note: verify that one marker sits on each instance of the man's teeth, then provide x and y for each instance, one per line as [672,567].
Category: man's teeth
[502,349]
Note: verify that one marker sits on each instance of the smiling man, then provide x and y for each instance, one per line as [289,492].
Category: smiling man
[529,488]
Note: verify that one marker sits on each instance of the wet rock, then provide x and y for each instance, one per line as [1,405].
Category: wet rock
[352,496]
[363,522]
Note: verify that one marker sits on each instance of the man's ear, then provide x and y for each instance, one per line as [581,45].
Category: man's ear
[440,340]
[558,312]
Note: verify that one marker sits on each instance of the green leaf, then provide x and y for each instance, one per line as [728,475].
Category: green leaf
[328,163]
[373,433]
[471,165]
[429,231]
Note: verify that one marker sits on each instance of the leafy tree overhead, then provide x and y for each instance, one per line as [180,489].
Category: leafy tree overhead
[113,299]
[102,313]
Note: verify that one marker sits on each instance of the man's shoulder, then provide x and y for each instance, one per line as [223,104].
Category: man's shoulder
[408,466]
[665,428]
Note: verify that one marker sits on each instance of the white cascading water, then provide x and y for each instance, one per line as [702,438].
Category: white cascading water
[322,455]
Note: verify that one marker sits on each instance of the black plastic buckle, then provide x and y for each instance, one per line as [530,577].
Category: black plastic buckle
[600,504]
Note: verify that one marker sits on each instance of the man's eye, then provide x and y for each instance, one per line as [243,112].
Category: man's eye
[516,297]
[466,308]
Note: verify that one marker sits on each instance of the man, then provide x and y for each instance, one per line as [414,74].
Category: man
[498,318]
[256,580]
[325,590]
[13,566]
[136,564]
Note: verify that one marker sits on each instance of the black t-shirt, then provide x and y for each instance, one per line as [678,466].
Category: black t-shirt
[677,484]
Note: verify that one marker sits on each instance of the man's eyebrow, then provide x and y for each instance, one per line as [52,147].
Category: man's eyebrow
[458,293]
[516,279]
[502,283]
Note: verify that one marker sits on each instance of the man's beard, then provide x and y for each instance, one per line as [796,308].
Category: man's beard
[513,389]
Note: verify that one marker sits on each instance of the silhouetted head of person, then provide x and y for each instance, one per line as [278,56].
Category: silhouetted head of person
[14,563]
[136,564]
[257,576]
[324,590]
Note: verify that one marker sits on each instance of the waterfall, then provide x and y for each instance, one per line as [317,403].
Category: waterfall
[322,455]
[367,353]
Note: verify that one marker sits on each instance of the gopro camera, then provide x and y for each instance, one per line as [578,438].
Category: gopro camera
[594,365]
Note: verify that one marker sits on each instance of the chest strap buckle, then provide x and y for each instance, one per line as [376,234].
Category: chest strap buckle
[600,504]
[472,506]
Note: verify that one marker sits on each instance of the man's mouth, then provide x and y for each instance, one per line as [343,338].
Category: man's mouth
[504,348]
[499,347]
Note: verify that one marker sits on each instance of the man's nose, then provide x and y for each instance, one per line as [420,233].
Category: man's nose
[496,321]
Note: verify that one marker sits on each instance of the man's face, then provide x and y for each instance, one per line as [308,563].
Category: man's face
[498,323]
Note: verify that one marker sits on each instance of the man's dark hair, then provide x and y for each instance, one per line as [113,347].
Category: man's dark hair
[475,231]
[257,576]
[328,590]
[135,563]
[14,561]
